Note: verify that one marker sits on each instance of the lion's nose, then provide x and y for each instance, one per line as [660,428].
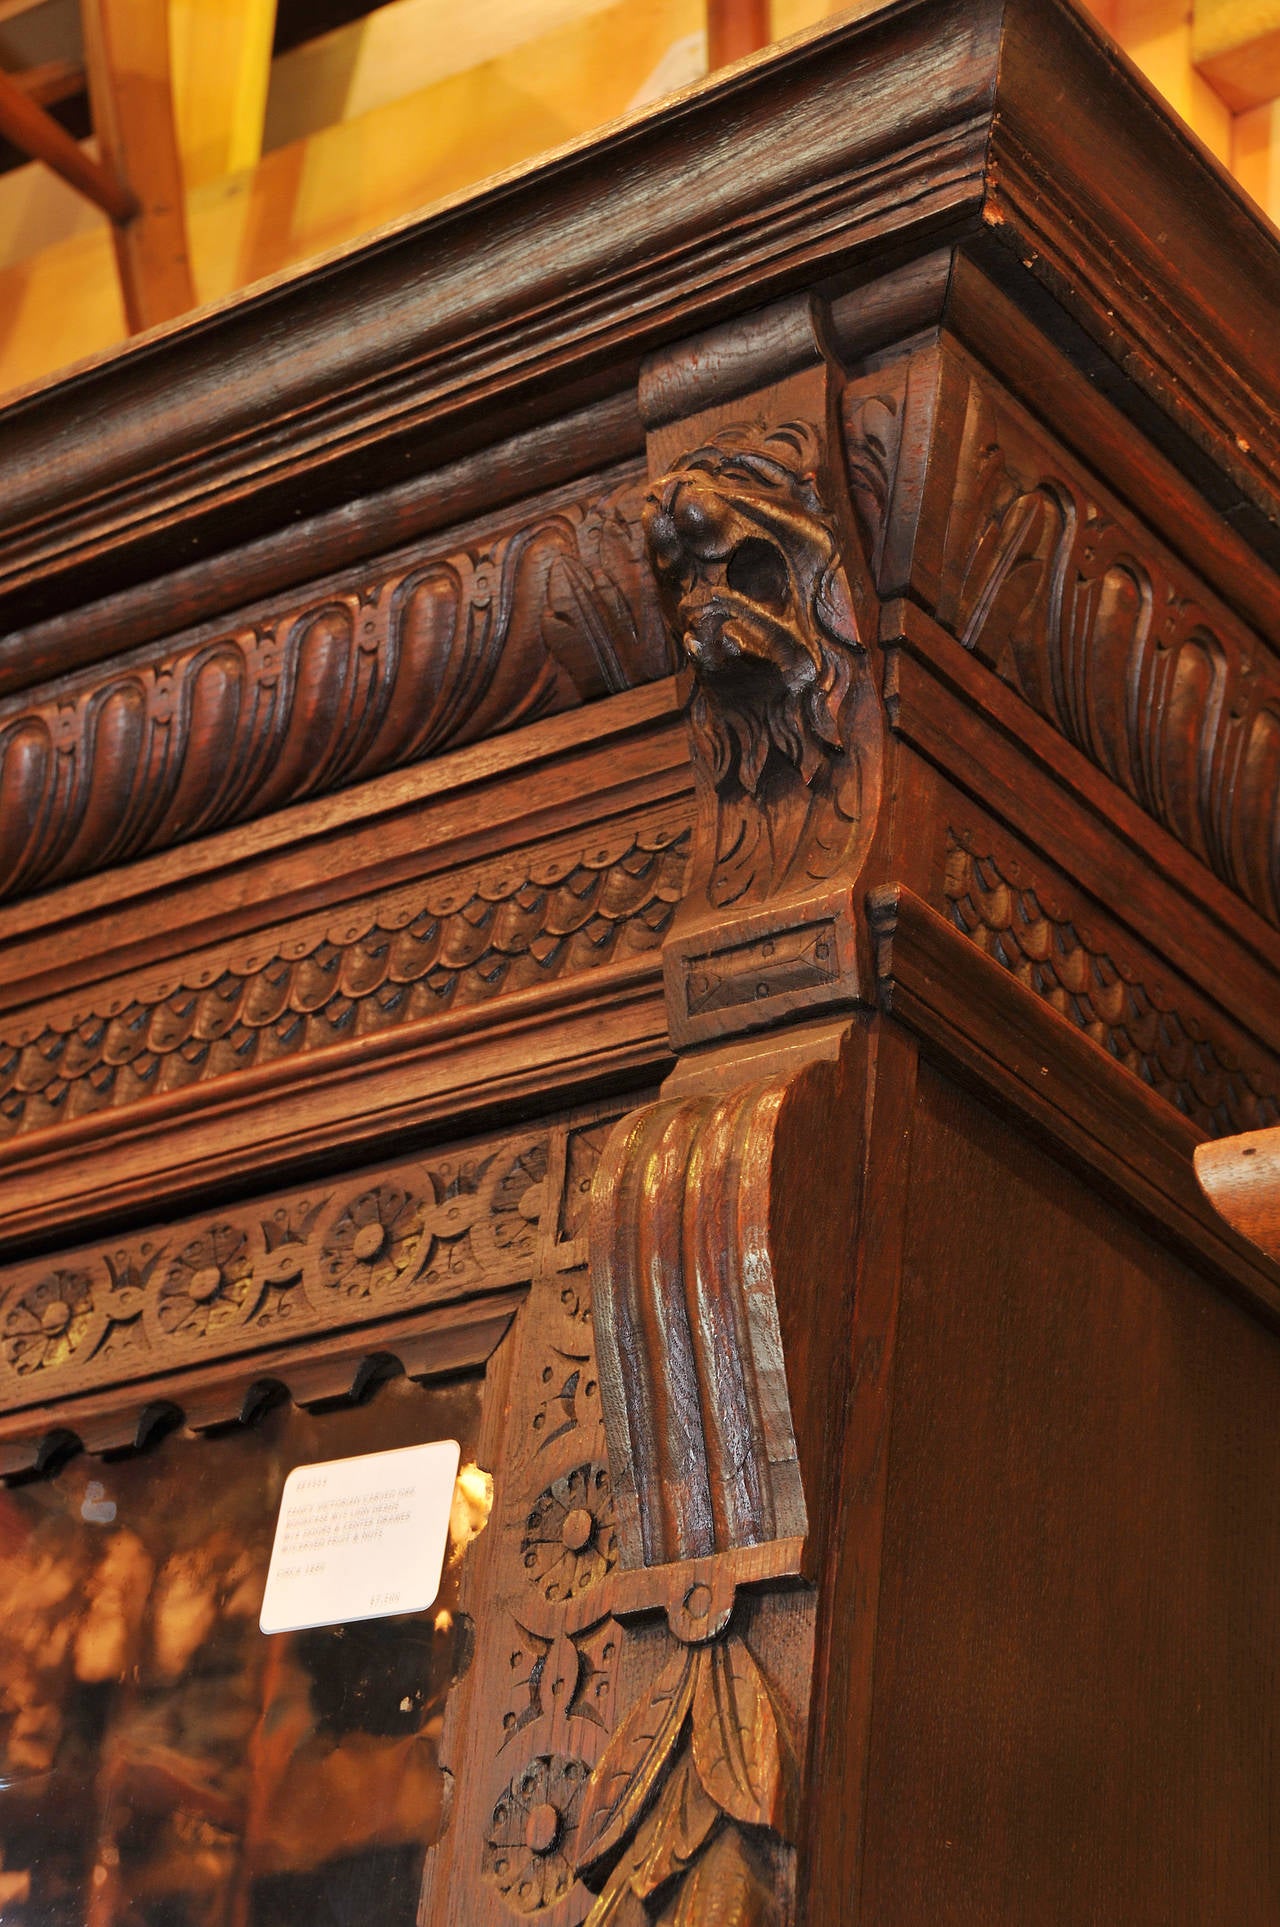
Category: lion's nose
[694,518]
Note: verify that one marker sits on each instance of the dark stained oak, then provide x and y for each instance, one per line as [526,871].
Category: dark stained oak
[1076,1718]
[659,792]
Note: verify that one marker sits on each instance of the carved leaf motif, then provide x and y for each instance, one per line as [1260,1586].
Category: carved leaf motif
[724,1890]
[618,1907]
[392,664]
[633,1762]
[669,1839]
[737,1742]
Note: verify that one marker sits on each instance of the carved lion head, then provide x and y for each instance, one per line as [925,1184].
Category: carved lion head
[752,587]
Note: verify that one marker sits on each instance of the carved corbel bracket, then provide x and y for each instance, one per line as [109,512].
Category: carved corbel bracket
[766,596]
[700,1271]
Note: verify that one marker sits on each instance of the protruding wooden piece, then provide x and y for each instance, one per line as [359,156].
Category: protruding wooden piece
[701,1446]
[1240,1177]
[784,711]
[130,90]
[24,122]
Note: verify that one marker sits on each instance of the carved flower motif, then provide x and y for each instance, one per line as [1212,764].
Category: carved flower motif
[51,1321]
[528,1849]
[371,1241]
[569,1542]
[208,1285]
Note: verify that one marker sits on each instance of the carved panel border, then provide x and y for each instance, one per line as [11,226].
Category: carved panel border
[329,1256]
[529,918]
[1034,928]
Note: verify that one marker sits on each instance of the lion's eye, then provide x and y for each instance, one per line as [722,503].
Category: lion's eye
[757,570]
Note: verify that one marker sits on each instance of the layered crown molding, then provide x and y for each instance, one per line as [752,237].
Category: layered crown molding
[916,122]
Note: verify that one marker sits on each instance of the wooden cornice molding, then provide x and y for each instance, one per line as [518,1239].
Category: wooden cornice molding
[1023,554]
[436,945]
[396,662]
[917,122]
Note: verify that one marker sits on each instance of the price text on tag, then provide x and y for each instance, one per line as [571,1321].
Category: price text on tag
[360,1538]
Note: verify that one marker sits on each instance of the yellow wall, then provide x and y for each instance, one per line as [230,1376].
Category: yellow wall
[401,111]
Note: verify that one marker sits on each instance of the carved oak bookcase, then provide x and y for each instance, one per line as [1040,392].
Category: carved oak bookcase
[641,822]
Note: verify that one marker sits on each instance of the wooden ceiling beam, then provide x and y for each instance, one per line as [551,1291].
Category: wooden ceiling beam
[24,122]
[1236,46]
[127,56]
[52,81]
[221,58]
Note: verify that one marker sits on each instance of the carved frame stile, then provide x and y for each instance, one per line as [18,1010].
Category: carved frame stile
[702,1283]
[639,1290]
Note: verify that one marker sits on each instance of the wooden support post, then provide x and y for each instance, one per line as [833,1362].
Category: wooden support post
[30,128]
[735,28]
[130,92]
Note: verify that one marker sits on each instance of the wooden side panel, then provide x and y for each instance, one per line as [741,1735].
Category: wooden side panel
[1075,1710]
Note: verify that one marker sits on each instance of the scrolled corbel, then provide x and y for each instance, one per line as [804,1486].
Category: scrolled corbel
[695,1797]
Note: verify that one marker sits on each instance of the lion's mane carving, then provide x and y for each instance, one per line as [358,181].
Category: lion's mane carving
[749,572]
[752,587]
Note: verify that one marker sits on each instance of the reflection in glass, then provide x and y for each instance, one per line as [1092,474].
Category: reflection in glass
[165,1764]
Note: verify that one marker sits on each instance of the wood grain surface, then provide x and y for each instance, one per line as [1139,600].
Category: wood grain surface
[665,785]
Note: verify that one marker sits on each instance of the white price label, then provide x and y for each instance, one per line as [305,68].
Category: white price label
[360,1538]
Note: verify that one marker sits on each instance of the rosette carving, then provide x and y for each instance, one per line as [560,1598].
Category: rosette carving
[180,1294]
[569,1541]
[370,1241]
[209,1284]
[532,1834]
[56,1319]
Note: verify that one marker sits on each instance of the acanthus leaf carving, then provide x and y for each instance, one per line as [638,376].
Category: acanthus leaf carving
[690,1809]
[701,1758]
[633,1764]
[739,1748]
[1077,605]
